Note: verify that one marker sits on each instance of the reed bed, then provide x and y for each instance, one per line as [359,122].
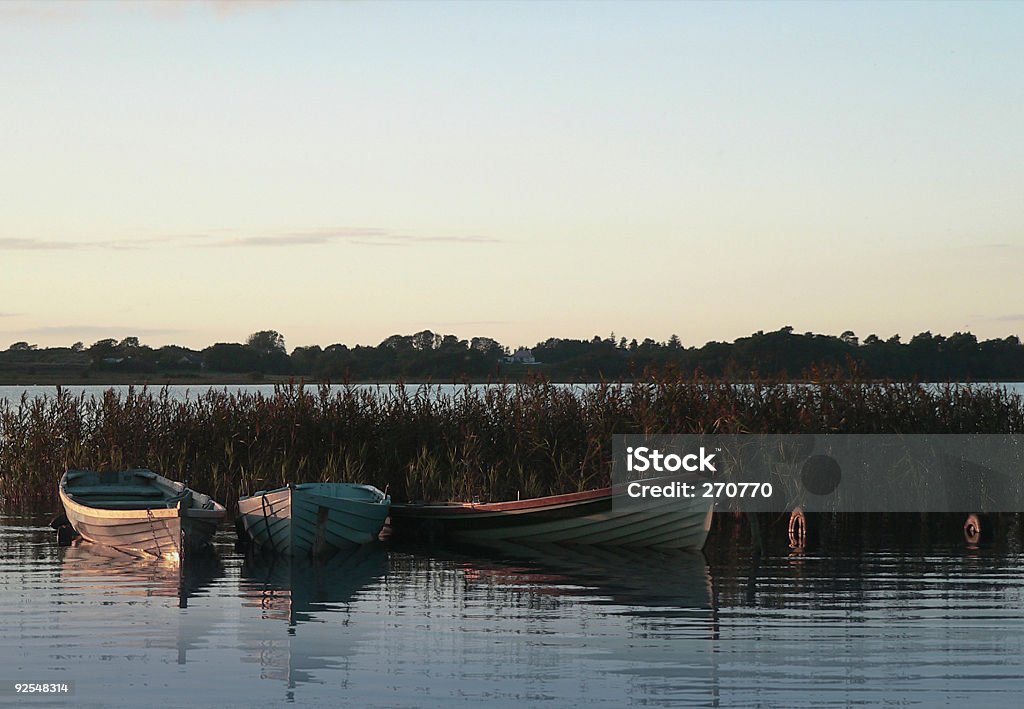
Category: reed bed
[489,442]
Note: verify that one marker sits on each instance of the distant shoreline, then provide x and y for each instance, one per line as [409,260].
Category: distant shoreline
[428,356]
[233,379]
[133,378]
[214,379]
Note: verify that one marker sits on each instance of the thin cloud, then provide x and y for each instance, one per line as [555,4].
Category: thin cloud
[150,241]
[29,12]
[987,247]
[41,245]
[351,235]
[476,323]
[112,331]
[459,239]
[21,244]
[68,10]
[235,7]
[304,238]
[1011,317]
[177,9]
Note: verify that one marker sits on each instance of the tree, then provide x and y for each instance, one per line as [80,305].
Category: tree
[849,338]
[397,342]
[78,347]
[173,357]
[305,359]
[487,345]
[129,343]
[267,342]
[962,342]
[674,343]
[21,347]
[103,348]
[451,343]
[426,340]
[231,357]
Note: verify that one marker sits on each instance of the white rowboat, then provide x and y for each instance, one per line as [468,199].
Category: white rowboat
[139,512]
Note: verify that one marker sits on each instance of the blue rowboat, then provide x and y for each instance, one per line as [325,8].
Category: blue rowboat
[312,519]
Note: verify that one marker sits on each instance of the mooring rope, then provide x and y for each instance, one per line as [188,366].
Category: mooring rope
[266,522]
[152,530]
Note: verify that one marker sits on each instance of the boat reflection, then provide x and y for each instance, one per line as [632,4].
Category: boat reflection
[640,615]
[311,599]
[113,572]
[141,586]
[635,582]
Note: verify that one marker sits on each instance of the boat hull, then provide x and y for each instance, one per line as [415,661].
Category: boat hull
[584,518]
[313,519]
[165,532]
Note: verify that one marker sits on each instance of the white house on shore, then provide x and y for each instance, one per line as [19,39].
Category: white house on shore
[523,355]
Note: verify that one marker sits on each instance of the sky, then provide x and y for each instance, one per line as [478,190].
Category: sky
[190,173]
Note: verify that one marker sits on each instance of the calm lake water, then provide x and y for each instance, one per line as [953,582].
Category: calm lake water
[894,623]
[178,391]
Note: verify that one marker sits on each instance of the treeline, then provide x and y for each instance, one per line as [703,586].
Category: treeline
[430,356]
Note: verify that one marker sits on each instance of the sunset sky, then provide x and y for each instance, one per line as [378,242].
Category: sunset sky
[192,172]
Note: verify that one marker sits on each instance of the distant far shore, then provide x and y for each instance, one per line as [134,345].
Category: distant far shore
[100,379]
[430,357]
[126,378]
[212,379]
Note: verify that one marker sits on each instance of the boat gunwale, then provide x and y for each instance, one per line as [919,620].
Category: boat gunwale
[382,498]
[530,504]
[80,507]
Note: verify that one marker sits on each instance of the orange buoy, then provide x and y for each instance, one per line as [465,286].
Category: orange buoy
[797,529]
[972,529]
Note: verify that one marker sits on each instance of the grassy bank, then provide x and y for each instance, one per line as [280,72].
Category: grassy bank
[530,438]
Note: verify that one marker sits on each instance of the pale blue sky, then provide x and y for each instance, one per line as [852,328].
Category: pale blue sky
[341,172]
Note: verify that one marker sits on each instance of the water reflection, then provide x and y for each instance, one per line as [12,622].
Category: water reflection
[891,618]
[296,591]
[110,572]
[627,625]
[640,582]
[121,579]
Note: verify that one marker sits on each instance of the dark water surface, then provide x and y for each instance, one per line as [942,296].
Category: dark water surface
[894,623]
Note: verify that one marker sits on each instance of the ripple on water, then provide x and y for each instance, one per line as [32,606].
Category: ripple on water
[556,627]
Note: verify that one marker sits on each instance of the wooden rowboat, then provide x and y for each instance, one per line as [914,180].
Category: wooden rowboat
[139,512]
[313,518]
[588,517]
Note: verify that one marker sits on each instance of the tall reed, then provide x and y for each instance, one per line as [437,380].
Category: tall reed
[489,442]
